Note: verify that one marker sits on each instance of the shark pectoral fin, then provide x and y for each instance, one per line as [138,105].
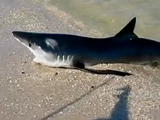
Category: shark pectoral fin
[51,42]
[128,29]
[78,64]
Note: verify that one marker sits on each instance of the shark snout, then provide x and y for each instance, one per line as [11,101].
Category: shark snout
[14,33]
[18,34]
[21,37]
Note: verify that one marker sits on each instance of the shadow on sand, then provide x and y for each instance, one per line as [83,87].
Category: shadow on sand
[120,110]
[101,72]
[76,100]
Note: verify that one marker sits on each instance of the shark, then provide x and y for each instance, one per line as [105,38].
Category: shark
[76,51]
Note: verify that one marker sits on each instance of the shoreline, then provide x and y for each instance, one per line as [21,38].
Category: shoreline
[66,18]
[105,20]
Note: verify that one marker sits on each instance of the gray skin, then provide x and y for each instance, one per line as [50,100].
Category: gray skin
[65,50]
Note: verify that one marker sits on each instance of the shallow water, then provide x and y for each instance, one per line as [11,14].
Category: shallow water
[109,16]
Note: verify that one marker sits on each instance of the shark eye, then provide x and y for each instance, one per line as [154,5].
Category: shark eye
[29,44]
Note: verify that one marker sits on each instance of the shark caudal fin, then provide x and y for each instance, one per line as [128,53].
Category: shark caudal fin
[128,29]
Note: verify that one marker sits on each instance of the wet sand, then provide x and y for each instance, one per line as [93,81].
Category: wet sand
[34,92]
[108,16]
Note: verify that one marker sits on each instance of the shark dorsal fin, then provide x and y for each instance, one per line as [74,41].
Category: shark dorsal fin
[128,29]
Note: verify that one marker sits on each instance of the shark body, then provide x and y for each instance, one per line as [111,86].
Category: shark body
[66,50]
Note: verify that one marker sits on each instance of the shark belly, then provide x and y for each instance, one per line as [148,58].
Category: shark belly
[56,61]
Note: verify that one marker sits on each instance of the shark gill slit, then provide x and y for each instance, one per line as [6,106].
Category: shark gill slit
[64,58]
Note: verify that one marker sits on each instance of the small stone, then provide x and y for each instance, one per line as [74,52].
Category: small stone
[56,73]
[92,86]
[27,74]
[9,78]
[23,72]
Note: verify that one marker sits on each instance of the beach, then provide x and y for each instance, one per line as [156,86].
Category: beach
[34,92]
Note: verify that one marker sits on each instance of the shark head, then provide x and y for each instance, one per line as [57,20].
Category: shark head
[28,39]
[36,43]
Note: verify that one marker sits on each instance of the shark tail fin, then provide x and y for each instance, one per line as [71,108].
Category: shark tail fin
[128,29]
